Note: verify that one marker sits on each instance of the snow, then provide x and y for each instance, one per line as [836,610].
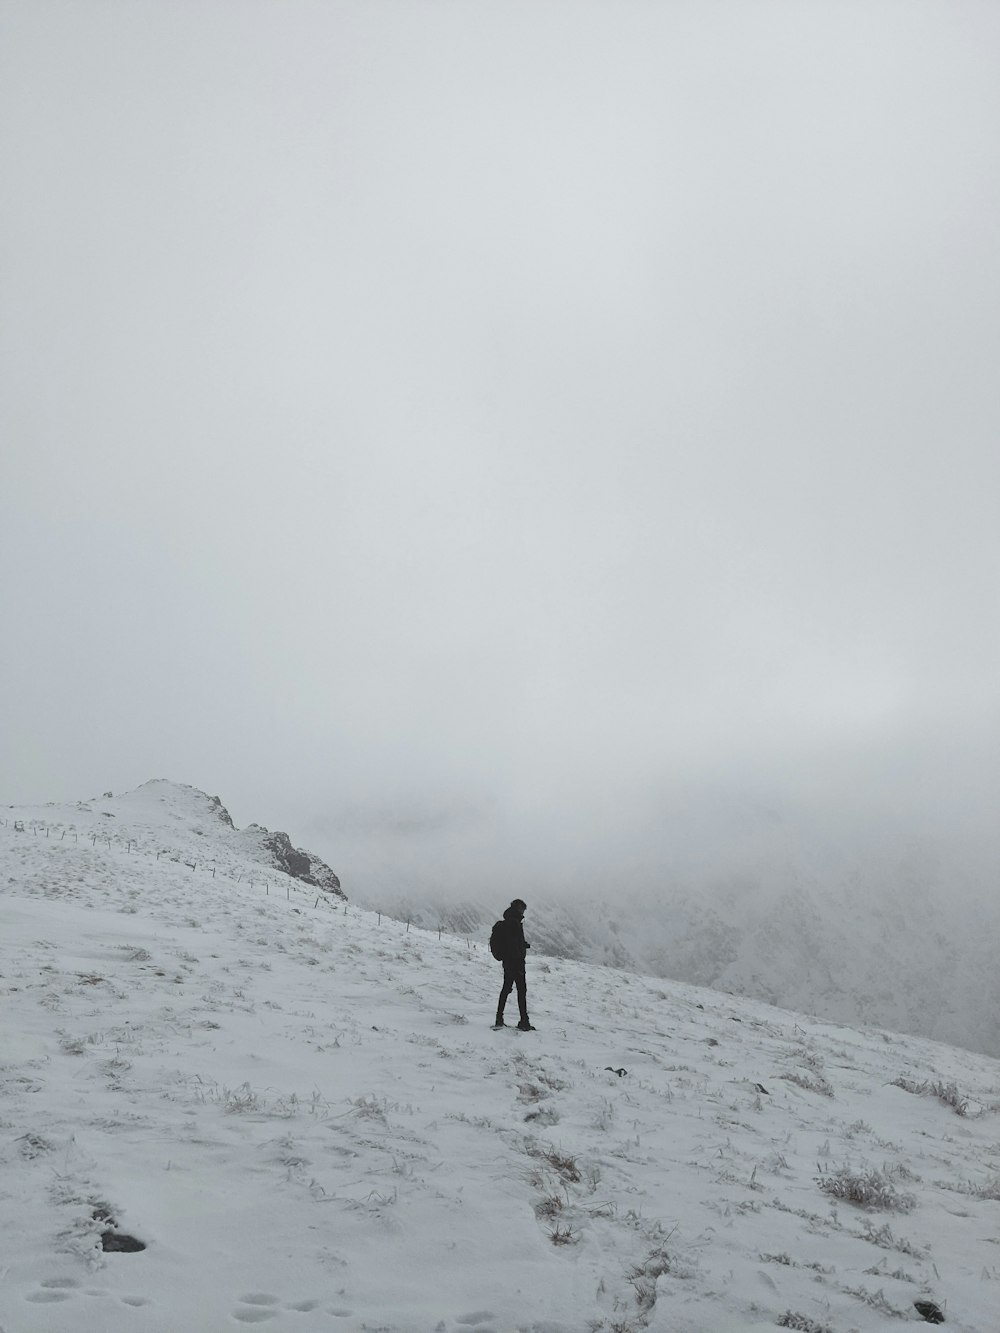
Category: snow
[303,1114]
[899,936]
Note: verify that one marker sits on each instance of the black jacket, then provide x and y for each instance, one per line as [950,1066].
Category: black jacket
[515,946]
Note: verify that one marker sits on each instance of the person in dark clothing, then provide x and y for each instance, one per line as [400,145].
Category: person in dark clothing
[515,949]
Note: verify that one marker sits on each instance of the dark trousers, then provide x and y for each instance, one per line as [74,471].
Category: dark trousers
[513,975]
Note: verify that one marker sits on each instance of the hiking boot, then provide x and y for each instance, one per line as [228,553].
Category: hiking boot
[525,1026]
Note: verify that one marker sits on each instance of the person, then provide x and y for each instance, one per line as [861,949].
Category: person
[514,950]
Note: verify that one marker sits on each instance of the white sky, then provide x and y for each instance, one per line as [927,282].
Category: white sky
[525,406]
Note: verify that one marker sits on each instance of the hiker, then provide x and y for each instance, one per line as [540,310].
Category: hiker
[511,947]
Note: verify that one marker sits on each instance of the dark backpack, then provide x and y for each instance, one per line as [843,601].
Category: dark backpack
[498,941]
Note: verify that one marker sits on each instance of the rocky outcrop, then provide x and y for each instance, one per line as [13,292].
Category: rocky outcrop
[220,811]
[297,863]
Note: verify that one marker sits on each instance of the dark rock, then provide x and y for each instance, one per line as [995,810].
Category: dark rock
[220,811]
[118,1242]
[300,865]
[114,1241]
[929,1312]
[287,857]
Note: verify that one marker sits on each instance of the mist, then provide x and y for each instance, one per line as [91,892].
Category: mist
[544,443]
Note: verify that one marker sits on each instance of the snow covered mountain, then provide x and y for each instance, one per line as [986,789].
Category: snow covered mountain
[233,1098]
[182,824]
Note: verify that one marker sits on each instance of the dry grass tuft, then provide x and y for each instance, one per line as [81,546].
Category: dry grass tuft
[866,1189]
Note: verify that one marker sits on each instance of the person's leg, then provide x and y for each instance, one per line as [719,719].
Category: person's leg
[522,994]
[508,986]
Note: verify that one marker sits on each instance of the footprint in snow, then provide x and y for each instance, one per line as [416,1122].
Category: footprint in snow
[259,1306]
[53,1289]
[474,1319]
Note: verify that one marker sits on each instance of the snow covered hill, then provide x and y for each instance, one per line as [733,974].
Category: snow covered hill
[182,824]
[301,1114]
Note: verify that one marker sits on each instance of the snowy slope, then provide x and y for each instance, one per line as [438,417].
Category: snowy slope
[888,945]
[303,1115]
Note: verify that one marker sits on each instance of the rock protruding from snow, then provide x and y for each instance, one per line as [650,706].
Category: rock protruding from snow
[220,811]
[297,863]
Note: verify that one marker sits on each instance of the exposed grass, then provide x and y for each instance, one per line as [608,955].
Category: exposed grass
[370,1108]
[866,1189]
[884,1238]
[990,1189]
[811,1082]
[530,1092]
[947,1093]
[549,1207]
[561,1163]
[877,1300]
[243,1098]
[643,1278]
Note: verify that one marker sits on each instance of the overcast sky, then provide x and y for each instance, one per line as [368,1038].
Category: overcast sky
[432,408]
